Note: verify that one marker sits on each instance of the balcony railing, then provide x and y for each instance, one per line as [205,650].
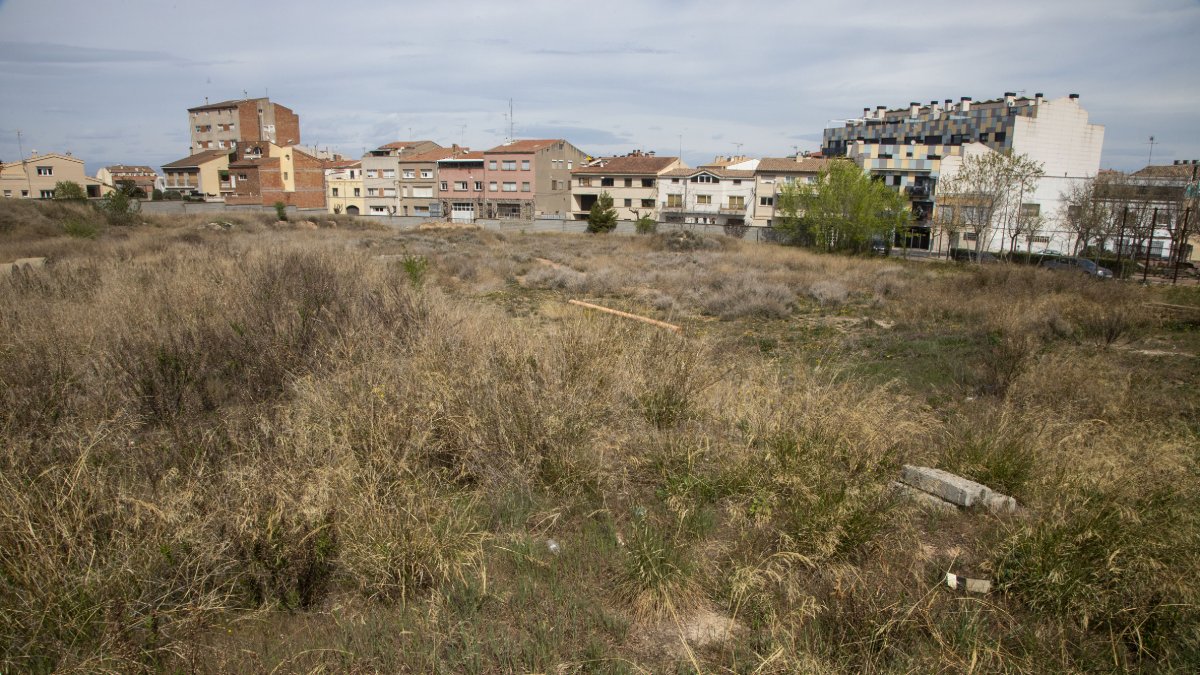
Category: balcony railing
[733,209]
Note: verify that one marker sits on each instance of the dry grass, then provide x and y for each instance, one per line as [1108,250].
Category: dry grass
[253,449]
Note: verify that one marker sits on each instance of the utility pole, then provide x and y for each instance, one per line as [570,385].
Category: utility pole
[1149,241]
[1182,242]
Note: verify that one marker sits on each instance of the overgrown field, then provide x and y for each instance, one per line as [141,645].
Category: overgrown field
[245,448]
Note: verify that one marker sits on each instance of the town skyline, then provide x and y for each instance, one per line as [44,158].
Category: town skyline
[679,77]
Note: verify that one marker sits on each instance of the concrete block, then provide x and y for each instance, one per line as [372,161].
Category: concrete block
[924,499]
[955,489]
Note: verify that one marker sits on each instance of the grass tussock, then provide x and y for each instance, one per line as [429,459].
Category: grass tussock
[250,449]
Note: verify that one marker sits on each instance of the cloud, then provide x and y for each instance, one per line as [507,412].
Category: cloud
[50,53]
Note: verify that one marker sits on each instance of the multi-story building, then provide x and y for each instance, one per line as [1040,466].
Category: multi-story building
[142,178]
[344,187]
[228,124]
[774,173]
[712,196]
[529,178]
[631,180]
[418,182]
[35,178]
[289,175]
[461,181]
[1056,133]
[204,173]
[1154,211]
[381,175]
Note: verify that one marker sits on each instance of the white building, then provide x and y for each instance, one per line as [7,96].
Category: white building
[707,195]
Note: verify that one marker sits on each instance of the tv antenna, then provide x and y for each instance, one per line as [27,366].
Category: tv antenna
[738,147]
[1151,143]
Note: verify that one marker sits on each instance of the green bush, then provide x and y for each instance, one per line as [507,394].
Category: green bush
[80,229]
[281,211]
[646,225]
[118,208]
[69,191]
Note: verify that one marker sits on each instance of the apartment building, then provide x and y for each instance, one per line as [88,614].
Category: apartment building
[229,124]
[381,175]
[774,173]
[631,180]
[529,178]
[344,187]
[1155,210]
[35,177]
[143,178]
[1057,133]
[418,182]
[204,173]
[711,196]
[461,182]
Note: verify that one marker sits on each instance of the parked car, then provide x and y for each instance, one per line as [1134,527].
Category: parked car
[1080,265]
[879,246]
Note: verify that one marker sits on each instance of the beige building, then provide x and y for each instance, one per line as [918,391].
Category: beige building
[204,173]
[773,174]
[381,175]
[344,188]
[35,178]
[631,181]
[142,177]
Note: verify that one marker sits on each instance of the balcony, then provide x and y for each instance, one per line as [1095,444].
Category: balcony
[917,191]
[732,210]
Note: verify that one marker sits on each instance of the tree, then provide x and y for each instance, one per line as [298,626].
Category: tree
[842,210]
[645,225]
[67,190]
[281,211]
[1087,214]
[131,189]
[986,194]
[603,217]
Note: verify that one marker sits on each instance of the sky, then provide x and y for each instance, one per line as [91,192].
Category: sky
[111,82]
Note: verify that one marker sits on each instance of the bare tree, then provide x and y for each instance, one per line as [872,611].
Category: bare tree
[985,195]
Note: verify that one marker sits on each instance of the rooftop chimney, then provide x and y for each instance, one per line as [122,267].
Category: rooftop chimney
[965,104]
[913,108]
[1038,98]
[1073,97]
[1010,98]
[880,111]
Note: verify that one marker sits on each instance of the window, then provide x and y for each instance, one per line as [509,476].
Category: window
[492,164]
[492,186]
[570,164]
[1031,210]
[422,192]
[24,193]
[220,144]
[737,202]
[508,165]
[460,185]
[674,201]
[524,165]
[647,182]
[737,181]
[766,201]
[8,193]
[408,173]
[628,182]
[674,180]
[999,137]
[479,186]
[510,186]
[525,186]
[970,236]
[334,192]
[704,199]
[584,182]
[372,173]
[705,178]
[606,182]
[426,173]
[47,194]
[389,173]
[285,175]
[628,202]
[445,186]
[357,192]
[389,192]
[379,209]
[45,171]
[372,192]
[647,203]
[983,137]
[242,176]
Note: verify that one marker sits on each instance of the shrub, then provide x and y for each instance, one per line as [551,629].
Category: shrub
[646,225]
[80,228]
[118,208]
[69,191]
[281,211]
[415,267]
[737,231]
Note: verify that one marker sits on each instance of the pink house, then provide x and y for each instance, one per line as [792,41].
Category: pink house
[524,179]
[462,181]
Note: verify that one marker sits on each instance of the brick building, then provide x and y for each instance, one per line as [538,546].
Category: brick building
[290,175]
[529,178]
[230,124]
